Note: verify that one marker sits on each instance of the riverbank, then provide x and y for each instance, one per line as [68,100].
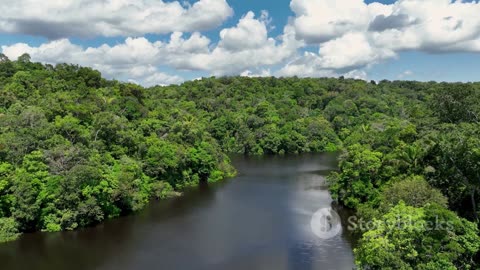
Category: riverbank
[258,220]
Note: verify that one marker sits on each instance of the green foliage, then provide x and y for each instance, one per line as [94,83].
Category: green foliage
[163,190]
[411,152]
[455,165]
[455,103]
[413,191]
[391,244]
[6,198]
[8,229]
[256,116]
[76,149]
[359,178]
[419,238]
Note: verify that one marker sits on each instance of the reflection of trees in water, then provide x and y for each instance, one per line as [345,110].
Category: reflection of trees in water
[345,214]
[193,198]
[312,181]
[90,248]
[83,249]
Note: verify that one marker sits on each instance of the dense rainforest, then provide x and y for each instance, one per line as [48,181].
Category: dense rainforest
[76,149]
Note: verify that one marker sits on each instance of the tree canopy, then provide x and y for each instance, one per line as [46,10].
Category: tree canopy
[76,149]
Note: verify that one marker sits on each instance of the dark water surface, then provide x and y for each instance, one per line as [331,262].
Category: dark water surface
[259,220]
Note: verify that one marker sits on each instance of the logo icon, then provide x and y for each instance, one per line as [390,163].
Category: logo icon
[325,223]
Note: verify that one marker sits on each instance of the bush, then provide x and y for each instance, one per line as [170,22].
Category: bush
[431,237]
[163,190]
[8,230]
[414,191]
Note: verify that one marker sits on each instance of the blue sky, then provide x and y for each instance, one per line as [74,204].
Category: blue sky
[419,39]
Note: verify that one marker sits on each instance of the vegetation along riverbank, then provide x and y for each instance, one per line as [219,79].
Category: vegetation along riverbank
[76,149]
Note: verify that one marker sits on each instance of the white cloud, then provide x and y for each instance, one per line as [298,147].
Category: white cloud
[259,73]
[195,44]
[428,25]
[351,51]
[339,56]
[243,47]
[342,37]
[159,78]
[440,26]
[52,52]
[86,18]
[353,35]
[356,74]
[250,33]
[302,68]
[405,74]
[305,67]
[140,60]
[134,60]
[318,21]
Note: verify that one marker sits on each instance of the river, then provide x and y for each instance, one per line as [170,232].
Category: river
[258,220]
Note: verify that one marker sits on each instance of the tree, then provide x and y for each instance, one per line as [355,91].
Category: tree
[24,58]
[7,69]
[359,177]
[454,103]
[455,163]
[71,128]
[419,238]
[413,191]
[27,191]
[6,171]
[8,229]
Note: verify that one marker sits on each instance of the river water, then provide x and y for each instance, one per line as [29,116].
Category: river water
[259,220]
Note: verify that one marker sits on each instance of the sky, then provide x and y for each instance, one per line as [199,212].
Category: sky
[152,42]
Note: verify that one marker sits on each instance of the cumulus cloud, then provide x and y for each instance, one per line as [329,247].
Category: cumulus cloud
[353,35]
[442,26]
[134,60]
[242,47]
[382,22]
[318,21]
[302,67]
[352,50]
[248,34]
[259,73]
[429,25]
[343,55]
[86,18]
[138,59]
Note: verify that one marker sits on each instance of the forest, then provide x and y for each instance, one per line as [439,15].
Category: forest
[77,149]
